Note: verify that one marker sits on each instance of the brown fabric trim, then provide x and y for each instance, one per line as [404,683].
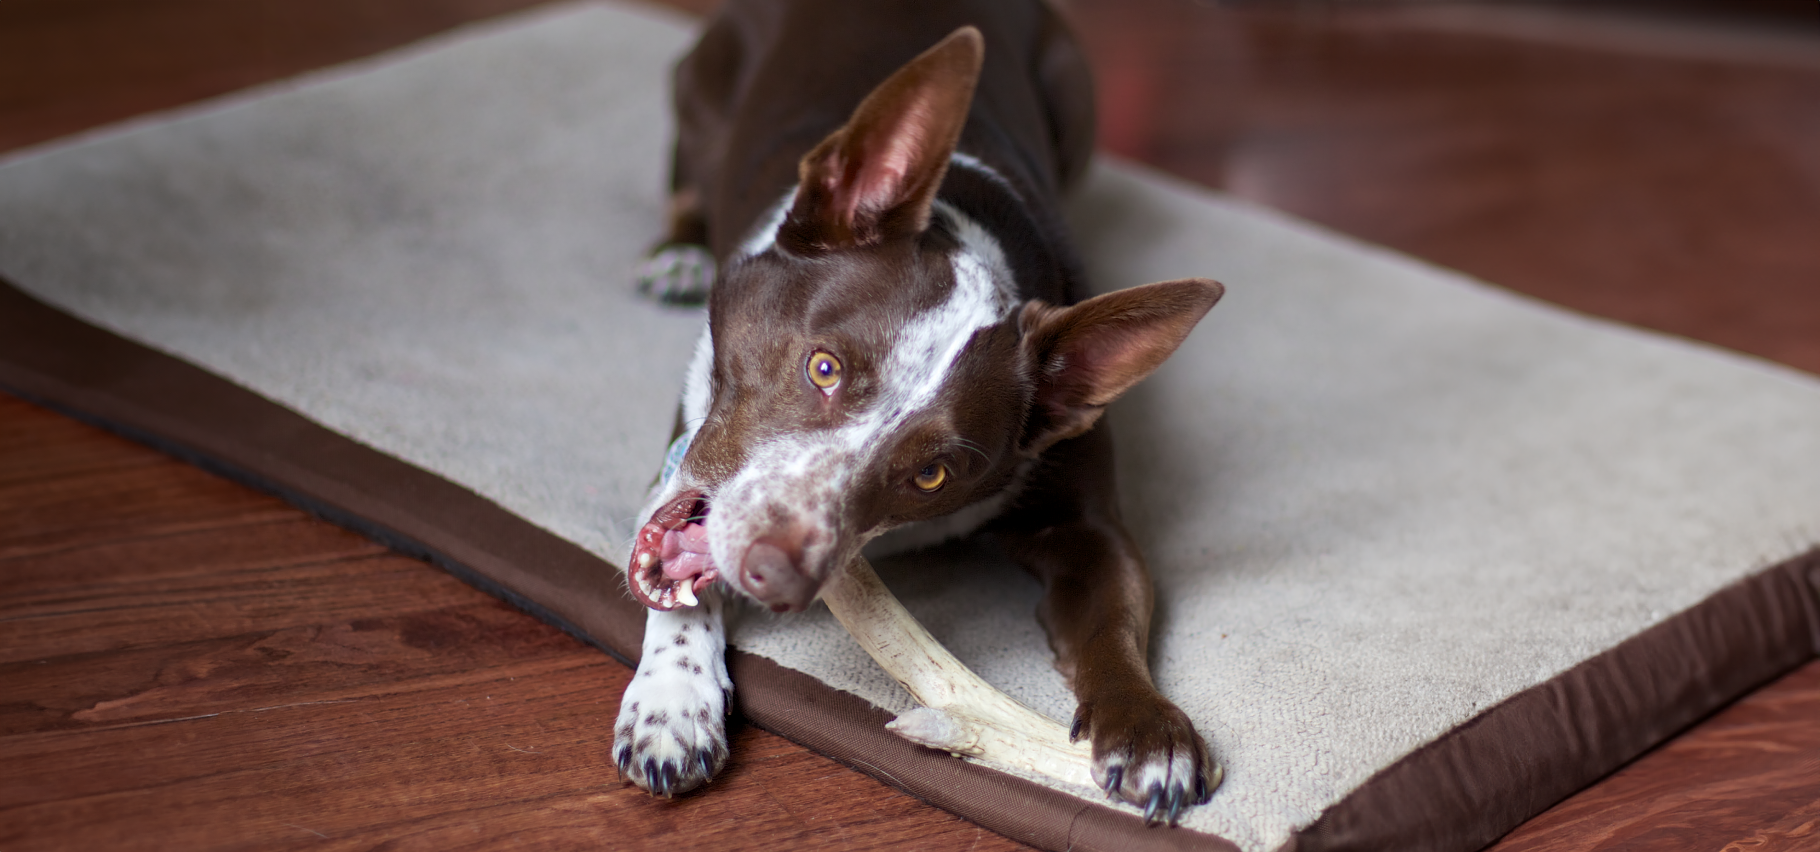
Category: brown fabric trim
[99,377]
[1486,777]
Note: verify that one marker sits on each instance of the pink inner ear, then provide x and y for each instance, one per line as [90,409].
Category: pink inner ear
[1101,364]
[1092,352]
[885,161]
[876,177]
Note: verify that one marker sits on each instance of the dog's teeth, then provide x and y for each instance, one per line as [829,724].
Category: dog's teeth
[644,560]
[685,593]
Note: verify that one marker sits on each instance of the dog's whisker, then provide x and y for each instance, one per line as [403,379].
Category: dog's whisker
[974,448]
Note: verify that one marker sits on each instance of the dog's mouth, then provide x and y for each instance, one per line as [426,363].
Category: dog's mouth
[670,562]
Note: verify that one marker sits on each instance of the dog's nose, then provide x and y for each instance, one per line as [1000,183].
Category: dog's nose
[771,574]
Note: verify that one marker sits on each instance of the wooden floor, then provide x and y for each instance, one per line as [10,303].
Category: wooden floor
[185,663]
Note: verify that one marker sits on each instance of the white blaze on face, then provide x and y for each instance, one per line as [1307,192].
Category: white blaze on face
[926,349]
[806,474]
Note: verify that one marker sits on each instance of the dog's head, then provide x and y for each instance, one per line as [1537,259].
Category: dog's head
[868,363]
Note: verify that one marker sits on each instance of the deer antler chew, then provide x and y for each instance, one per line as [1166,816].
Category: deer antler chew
[961,713]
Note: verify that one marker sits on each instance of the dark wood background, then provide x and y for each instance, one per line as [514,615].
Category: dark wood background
[186,663]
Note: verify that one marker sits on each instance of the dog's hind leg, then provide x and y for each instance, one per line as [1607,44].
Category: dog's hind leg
[672,731]
[680,268]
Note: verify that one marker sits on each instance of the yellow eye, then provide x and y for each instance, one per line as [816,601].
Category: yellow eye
[931,477]
[824,370]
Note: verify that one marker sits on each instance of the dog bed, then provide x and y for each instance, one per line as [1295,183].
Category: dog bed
[1429,556]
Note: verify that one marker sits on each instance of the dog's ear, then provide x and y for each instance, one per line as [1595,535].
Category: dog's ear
[1084,356]
[876,178]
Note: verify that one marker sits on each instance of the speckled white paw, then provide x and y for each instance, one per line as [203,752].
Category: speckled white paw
[671,736]
[677,274]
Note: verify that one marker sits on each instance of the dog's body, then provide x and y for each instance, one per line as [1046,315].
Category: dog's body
[887,351]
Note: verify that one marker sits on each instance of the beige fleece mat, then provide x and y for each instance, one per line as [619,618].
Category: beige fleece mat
[1379,497]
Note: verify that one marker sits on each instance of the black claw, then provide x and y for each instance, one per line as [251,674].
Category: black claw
[1074,731]
[624,759]
[1178,799]
[1200,787]
[1114,777]
[1151,807]
[651,779]
[670,777]
[706,759]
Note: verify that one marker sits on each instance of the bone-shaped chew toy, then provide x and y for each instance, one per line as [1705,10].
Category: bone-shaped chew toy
[961,713]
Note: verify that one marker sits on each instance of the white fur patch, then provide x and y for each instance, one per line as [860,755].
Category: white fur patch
[1162,771]
[672,730]
[927,346]
[924,352]
[698,382]
[804,474]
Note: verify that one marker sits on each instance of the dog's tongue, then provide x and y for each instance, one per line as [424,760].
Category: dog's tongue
[685,552]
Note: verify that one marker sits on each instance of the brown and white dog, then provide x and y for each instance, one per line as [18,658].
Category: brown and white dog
[895,345]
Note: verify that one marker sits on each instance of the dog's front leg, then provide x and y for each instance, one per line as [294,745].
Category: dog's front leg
[1096,609]
[672,731]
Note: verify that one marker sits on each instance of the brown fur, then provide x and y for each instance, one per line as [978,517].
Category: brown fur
[781,93]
